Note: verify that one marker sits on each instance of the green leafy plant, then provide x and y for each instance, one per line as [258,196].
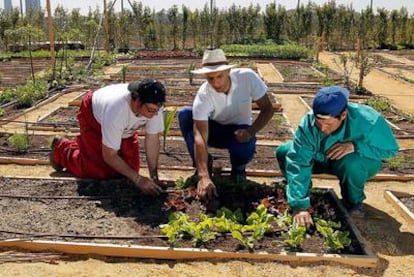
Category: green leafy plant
[202,231]
[379,104]
[284,220]
[295,236]
[334,239]
[124,71]
[258,223]
[20,141]
[179,183]
[190,68]
[174,230]
[169,116]
[394,163]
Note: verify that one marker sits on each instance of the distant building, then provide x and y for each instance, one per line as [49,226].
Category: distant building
[8,5]
[32,5]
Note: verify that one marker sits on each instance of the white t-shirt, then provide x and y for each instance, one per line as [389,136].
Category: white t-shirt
[236,106]
[111,108]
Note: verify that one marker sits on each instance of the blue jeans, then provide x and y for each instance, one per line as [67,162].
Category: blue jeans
[220,136]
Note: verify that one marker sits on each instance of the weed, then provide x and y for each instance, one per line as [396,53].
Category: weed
[20,141]
[381,105]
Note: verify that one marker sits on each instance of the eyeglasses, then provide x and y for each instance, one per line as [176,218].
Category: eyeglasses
[153,110]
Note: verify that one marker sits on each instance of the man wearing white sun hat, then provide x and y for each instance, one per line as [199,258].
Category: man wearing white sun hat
[221,117]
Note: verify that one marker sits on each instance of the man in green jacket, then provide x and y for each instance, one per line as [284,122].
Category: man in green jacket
[347,140]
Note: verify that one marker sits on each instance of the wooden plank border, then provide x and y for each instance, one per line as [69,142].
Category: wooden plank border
[393,198]
[253,173]
[368,259]
[182,253]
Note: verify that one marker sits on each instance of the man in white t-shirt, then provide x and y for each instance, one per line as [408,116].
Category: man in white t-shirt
[221,117]
[108,142]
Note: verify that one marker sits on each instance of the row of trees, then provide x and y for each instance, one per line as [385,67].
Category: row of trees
[329,25]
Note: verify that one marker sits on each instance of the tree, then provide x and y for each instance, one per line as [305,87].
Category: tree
[382,27]
[184,30]
[27,34]
[172,15]
[274,20]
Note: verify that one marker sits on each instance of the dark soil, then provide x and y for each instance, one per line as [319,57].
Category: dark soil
[65,117]
[114,211]
[175,153]
[298,72]
[408,202]
[402,164]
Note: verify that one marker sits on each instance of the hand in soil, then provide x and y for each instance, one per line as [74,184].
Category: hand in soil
[303,218]
[206,189]
[147,186]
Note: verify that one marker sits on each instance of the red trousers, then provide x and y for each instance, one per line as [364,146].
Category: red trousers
[82,156]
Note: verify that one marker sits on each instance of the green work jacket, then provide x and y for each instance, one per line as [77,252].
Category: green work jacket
[364,127]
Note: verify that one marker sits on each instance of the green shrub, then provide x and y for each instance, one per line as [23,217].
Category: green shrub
[381,105]
[286,51]
[20,141]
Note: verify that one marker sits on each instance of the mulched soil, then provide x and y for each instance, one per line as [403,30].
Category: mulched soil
[175,153]
[65,117]
[408,202]
[297,72]
[113,211]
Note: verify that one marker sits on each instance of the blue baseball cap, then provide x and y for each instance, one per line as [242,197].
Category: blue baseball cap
[330,101]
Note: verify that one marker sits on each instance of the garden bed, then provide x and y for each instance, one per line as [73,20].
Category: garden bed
[403,202]
[302,72]
[64,118]
[114,214]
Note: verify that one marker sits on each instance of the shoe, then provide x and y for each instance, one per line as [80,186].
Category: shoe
[357,211]
[56,140]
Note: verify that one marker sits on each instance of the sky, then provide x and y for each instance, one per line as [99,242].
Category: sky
[193,4]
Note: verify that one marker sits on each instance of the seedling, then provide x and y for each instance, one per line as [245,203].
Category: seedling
[334,240]
[295,236]
[124,71]
[168,120]
[190,68]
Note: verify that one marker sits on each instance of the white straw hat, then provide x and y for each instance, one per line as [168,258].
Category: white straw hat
[213,61]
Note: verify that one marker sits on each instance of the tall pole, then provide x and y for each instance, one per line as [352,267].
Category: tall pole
[51,35]
[106,27]
[212,23]
[21,8]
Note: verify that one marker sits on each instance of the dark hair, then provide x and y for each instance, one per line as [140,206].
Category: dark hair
[148,91]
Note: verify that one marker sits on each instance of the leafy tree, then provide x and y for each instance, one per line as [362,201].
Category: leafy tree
[382,27]
[184,30]
[173,21]
[274,21]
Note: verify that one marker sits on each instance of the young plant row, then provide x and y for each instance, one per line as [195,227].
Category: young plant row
[251,230]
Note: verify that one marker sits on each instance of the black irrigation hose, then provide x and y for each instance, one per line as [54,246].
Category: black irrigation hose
[87,197]
[27,235]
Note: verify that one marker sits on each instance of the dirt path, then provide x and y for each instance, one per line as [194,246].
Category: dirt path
[293,108]
[34,113]
[269,73]
[400,93]
[395,58]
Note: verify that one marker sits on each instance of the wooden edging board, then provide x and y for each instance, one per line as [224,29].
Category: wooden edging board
[136,251]
[253,173]
[393,198]
[369,259]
